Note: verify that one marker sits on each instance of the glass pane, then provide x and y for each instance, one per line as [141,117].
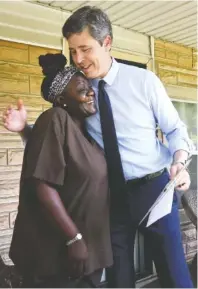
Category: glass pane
[188,113]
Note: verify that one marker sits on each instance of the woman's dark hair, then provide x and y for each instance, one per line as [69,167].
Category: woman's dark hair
[51,64]
[89,17]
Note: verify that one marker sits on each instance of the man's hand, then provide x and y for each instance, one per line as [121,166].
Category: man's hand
[15,119]
[77,255]
[183,182]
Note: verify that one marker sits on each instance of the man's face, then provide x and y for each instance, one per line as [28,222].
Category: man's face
[88,55]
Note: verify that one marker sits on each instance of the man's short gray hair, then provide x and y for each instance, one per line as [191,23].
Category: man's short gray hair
[93,18]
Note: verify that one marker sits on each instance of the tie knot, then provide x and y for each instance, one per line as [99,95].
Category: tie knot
[101,84]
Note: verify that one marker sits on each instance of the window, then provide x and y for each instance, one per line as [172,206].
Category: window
[188,114]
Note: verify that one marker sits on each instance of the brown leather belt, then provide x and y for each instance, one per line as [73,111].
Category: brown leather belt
[146,178]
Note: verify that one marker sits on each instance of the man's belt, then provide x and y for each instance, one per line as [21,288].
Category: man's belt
[145,179]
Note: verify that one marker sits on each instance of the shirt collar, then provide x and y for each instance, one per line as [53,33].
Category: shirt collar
[111,75]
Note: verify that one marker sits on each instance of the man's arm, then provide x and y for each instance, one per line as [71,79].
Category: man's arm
[167,117]
[15,120]
[25,133]
[180,145]
[179,160]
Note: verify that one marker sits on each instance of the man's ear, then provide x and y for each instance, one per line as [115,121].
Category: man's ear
[107,43]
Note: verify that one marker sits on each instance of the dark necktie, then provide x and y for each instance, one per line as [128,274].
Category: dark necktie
[114,165]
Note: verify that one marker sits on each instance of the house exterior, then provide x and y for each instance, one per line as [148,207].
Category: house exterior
[28,29]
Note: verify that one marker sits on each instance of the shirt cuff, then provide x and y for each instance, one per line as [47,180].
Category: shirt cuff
[182,144]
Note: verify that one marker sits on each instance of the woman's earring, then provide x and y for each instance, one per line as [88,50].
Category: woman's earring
[65,105]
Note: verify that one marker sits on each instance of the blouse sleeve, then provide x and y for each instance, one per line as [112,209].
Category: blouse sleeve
[45,153]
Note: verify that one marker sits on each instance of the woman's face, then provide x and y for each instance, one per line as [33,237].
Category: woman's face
[79,96]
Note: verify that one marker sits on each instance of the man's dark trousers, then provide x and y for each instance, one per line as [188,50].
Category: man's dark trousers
[163,238]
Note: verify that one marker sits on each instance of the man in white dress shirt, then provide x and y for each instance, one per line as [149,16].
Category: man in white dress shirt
[138,102]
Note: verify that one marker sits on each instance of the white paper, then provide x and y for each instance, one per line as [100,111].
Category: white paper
[163,204]
[163,208]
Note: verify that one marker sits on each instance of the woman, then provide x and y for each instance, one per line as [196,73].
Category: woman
[61,235]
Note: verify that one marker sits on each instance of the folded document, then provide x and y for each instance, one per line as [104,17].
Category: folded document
[163,204]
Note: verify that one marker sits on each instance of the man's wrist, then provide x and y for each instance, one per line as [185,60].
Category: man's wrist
[183,162]
[180,156]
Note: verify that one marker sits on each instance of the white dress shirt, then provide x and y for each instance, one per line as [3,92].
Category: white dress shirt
[139,101]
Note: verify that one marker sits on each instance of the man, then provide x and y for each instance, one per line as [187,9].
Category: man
[136,160]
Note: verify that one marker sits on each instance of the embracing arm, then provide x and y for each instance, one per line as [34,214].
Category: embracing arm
[25,133]
[15,120]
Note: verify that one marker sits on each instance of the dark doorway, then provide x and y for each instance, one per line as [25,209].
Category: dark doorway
[133,63]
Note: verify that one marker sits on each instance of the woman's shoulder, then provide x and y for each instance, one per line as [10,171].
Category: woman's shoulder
[52,119]
[51,115]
